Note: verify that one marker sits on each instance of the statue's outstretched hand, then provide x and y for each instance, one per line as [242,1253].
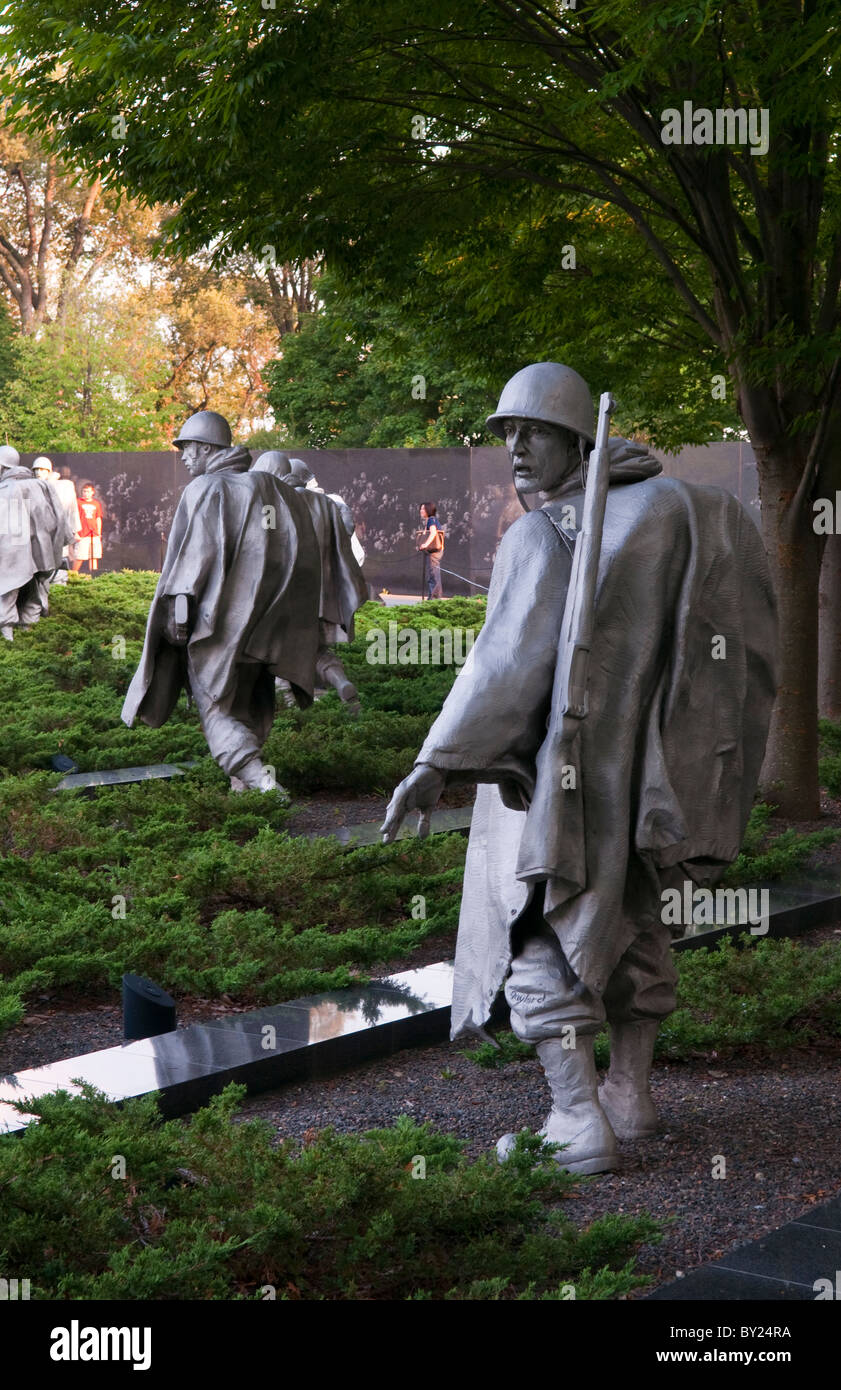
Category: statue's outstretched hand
[420,792]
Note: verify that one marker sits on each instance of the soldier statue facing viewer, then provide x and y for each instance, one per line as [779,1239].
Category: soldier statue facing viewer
[565,910]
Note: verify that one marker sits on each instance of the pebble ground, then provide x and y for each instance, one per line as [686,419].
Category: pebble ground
[776,1121]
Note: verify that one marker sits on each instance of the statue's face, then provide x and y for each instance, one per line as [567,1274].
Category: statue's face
[542,456]
[195,457]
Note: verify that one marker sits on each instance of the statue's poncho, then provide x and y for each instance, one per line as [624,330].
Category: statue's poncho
[670,754]
[33,548]
[242,547]
[343,587]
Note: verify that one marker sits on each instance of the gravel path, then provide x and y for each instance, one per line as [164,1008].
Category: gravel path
[322,812]
[776,1122]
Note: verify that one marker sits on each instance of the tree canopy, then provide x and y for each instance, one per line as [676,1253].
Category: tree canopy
[361,374]
[370,132]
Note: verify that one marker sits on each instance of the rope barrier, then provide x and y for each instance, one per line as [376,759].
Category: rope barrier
[464,579]
[397,560]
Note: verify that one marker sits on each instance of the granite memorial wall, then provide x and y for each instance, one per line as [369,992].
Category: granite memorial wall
[384,487]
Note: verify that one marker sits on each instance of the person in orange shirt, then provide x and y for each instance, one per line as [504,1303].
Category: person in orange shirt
[89,544]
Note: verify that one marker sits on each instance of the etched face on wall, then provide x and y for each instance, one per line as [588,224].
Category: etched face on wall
[542,455]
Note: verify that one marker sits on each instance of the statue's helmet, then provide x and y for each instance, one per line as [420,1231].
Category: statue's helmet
[273,461]
[9,456]
[549,392]
[300,470]
[42,464]
[205,427]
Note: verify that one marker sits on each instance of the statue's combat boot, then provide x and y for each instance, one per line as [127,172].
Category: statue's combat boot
[624,1093]
[330,671]
[576,1118]
[256,776]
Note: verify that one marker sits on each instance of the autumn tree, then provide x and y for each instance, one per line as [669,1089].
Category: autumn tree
[58,231]
[219,337]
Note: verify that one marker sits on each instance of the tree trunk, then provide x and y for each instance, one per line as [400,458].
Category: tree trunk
[829,647]
[790,772]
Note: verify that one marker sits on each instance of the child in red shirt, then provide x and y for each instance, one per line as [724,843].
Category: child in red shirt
[88,546]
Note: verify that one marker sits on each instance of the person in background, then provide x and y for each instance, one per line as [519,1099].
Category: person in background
[432,546]
[89,544]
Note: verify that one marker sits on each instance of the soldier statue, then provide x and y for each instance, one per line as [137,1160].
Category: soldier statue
[34,529]
[236,604]
[343,587]
[576,835]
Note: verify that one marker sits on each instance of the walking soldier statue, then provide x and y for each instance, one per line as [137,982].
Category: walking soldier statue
[613,711]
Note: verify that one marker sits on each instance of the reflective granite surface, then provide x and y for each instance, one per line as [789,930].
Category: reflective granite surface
[118,775]
[12,1121]
[260,1048]
[807,899]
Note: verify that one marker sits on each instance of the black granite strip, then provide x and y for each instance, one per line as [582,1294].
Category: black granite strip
[442,822]
[799,1254]
[118,776]
[710,1284]
[305,1038]
[828,1217]
[789,1263]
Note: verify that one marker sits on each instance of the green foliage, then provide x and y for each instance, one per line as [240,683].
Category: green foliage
[358,375]
[507,1049]
[66,681]
[449,180]
[829,766]
[769,993]
[213,1210]
[491,297]
[9,358]
[765,856]
[84,384]
[217,899]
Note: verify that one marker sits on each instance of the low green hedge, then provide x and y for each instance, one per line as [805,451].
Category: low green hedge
[66,679]
[211,1209]
[202,890]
